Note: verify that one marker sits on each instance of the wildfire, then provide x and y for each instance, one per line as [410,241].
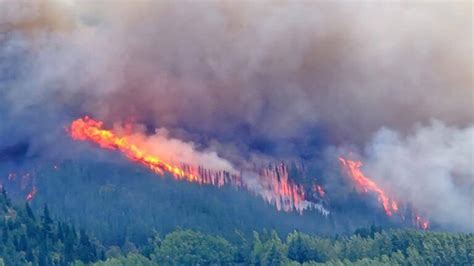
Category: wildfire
[390,206]
[289,195]
[91,130]
[317,188]
[352,168]
[31,194]
[422,223]
[24,180]
[273,184]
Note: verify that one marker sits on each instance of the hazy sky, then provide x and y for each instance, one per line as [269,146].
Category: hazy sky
[392,81]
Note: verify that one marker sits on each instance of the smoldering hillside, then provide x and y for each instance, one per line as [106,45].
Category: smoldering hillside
[255,82]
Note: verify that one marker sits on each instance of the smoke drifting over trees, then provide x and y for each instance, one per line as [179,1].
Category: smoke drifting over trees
[431,167]
[268,79]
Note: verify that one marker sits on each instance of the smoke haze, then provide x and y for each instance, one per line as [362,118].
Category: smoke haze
[247,80]
[432,167]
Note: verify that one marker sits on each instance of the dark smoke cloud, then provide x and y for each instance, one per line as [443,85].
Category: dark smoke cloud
[248,80]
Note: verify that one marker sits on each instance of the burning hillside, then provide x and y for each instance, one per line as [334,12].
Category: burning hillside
[272,184]
[217,87]
[91,130]
[364,183]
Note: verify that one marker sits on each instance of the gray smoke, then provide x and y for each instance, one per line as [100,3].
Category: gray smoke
[249,80]
[431,167]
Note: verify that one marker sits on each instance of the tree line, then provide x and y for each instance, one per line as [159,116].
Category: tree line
[37,239]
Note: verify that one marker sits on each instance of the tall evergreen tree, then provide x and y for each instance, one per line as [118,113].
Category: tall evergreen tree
[29,211]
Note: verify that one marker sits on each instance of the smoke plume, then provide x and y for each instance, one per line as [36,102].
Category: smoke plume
[432,167]
[243,80]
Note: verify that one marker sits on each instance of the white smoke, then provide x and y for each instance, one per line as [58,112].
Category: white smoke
[171,149]
[264,187]
[273,68]
[239,71]
[433,168]
[175,151]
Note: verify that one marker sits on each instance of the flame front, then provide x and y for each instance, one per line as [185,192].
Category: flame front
[352,168]
[274,183]
[290,195]
[91,130]
[390,206]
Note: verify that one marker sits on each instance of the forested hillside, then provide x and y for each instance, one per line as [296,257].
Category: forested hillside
[244,132]
[120,202]
[38,239]
[27,237]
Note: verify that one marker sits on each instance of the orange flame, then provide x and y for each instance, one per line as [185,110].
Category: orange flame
[274,184]
[31,194]
[91,130]
[422,223]
[276,179]
[366,184]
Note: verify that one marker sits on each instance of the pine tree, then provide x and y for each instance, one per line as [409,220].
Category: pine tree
[29,211]
[5,233]
[4,199]
[274,257]
[23,245]
[60,234]
[297,251]
[43,256]
[46,219]
[87,252]
[29,255]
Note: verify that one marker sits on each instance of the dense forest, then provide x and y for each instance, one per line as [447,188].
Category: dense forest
[119,202]
[29,238]
[236,133]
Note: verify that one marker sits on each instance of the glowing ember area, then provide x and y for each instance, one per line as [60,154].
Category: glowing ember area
[276,179]
[352,168]
[318,189]
[91,130]
[272,184]
[32,194]
[275,186]
[422,223]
